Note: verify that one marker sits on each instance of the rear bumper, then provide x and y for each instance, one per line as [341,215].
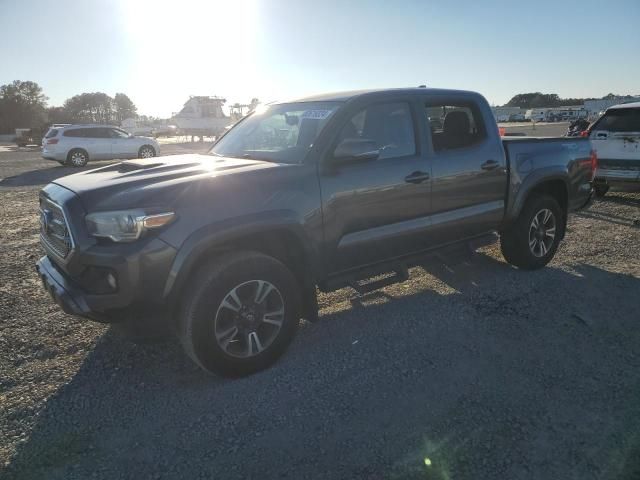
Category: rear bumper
[51,156]
[617,176]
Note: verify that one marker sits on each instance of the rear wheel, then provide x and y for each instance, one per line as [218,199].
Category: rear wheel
[77,158]
[146,151]
[240,314]
[531,242]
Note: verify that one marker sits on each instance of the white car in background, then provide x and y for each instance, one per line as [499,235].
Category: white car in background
[75,145]
[616,139]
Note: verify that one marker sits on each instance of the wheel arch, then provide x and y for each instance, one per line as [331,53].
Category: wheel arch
[74,149]
[555,184]
[285,242]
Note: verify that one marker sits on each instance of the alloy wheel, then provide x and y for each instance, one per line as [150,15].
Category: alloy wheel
[78,159]
[146,152]
[249,318]
[542,232]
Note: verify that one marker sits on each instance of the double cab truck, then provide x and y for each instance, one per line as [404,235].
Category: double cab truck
[229,247]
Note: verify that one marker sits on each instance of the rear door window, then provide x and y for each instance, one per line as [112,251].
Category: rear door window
[99,132]
[454,124]
[75,132]
[619,120]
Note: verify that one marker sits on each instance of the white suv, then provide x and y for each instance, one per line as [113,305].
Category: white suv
[616,139]
[75,145]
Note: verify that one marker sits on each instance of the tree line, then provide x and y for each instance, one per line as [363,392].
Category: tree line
[23,104]
[545,100]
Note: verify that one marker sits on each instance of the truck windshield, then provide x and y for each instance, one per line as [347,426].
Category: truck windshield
[281,133]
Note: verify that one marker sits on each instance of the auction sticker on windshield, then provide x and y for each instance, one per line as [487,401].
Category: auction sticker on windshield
[317,114]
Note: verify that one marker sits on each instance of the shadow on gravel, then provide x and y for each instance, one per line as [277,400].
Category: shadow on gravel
[16,148]
[515,375]
[47,175]
[622,200]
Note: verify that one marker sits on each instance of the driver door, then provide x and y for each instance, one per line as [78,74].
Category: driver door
[122,145]
[377,209]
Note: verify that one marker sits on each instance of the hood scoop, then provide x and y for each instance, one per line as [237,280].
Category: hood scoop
[131,165]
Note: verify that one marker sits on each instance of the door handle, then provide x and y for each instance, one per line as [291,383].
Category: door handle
[417,177]
[489,165]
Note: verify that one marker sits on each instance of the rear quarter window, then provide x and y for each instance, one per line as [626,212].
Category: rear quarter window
[51,133]
[619,120]
[76,132]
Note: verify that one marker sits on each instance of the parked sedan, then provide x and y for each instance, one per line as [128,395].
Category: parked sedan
[75,145]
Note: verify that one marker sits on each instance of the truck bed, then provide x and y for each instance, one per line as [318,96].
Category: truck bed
[531,157]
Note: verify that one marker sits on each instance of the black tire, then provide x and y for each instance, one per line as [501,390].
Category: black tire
[201,311]
[146,151]
[600,190]
[515,242]
[77,158]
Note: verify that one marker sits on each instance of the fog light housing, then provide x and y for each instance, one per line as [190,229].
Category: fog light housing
[111,281]
[98,280]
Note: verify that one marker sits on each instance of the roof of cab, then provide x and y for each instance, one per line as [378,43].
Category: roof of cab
[351,94]
[625,105]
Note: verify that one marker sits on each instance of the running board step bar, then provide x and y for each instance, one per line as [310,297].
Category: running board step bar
[399,274]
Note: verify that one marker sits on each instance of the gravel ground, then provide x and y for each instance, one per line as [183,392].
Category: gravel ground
[478,369]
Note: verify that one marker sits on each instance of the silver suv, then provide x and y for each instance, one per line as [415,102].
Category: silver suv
[75,145]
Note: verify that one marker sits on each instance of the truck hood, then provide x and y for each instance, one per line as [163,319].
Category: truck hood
[135,183]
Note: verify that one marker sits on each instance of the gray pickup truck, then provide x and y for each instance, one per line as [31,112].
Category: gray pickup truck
[329,191]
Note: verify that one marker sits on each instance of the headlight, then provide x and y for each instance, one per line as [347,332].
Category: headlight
[125,225]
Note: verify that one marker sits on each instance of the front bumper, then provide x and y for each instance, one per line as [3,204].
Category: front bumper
[141,277]
[66,295]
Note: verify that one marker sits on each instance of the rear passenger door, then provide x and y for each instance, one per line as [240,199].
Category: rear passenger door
[469,175]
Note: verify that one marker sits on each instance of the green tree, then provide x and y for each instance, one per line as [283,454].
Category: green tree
[125,108]
[22,105]
[96,107]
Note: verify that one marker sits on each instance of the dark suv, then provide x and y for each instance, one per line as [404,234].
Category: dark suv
[328,191]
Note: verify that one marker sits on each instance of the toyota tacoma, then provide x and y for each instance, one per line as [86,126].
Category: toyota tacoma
[347,189]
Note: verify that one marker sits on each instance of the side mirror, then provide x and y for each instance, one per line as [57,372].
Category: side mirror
[355,150]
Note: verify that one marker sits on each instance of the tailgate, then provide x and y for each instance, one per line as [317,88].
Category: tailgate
[617,150]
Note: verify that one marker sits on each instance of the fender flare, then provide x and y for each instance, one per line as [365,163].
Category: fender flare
[520,193]
[225,232]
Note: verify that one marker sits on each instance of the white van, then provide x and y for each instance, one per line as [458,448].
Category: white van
[535,115]
[616,139]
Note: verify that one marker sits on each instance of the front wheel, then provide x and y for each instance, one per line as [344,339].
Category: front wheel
[146,152]
[531,242]
[240,313]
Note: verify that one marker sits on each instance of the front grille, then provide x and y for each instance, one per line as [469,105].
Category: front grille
[54,231]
